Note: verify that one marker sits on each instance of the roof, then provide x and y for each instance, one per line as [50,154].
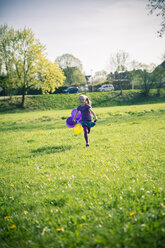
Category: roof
[163,64]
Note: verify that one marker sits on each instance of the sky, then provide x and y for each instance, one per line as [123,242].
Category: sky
[91,30]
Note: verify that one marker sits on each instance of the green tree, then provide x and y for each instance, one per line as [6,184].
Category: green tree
[73,76]
[49,76]
[7,70]
[143,79]
[159,78]
[72,68]
[24,63]
[158,6]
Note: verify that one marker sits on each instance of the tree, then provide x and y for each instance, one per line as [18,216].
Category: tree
[68,60]
[24,62]
[73,76]
[72,68]
[99,76]
[48,76]
[135,65]
[135,72]
[119,63]
[159,78]
[158,6]
[143,79]
[7,70]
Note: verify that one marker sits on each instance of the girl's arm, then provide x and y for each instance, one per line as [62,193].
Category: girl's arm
[75,115]
[93,114]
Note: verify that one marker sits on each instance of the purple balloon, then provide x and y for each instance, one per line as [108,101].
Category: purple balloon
[74,112]
[70,123]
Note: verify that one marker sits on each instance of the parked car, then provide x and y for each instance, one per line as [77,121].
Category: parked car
[106,87]
[71,90]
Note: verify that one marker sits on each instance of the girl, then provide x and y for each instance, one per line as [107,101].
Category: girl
[86,117]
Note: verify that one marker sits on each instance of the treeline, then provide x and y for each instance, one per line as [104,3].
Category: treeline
[25,69]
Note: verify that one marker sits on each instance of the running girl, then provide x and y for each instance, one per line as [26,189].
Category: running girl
[86,116]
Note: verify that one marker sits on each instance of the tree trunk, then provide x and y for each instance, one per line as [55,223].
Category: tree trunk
[23,97]
[121,90]
[10,94]
[158,91]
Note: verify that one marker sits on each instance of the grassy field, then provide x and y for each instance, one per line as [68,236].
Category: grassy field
[56,193]
[69,101]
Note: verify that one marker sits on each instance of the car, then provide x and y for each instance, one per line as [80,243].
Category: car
[106,87]
[71,90]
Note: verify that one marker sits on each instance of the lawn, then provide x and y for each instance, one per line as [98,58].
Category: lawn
[57,193]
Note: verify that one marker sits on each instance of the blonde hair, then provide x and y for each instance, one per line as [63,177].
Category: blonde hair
[86,99]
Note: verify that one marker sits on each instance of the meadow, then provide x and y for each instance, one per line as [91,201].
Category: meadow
[57,193]
[69,101]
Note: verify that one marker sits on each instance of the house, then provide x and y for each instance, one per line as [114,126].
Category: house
[163,64]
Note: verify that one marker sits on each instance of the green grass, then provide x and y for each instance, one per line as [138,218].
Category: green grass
[69,101]
[109,195]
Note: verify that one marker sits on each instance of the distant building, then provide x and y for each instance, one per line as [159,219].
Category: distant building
[163,64]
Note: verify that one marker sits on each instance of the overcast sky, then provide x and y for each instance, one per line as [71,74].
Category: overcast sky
[91,30]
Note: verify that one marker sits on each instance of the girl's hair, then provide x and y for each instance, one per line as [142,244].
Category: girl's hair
[86,99]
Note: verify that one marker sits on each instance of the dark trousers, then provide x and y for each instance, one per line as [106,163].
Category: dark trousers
[86,131]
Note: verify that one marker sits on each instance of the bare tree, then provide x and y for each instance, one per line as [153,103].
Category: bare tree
[135,65]
[99,76]
[68,60]
[119,63]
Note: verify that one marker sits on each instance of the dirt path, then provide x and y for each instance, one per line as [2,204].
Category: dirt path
[7,97]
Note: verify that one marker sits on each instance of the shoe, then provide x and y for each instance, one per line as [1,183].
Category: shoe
[87,144]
